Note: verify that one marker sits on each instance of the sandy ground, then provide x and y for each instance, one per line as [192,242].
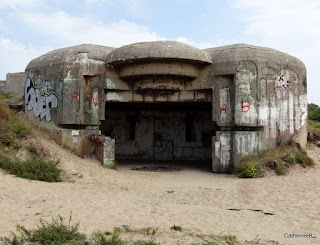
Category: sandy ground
[102,198]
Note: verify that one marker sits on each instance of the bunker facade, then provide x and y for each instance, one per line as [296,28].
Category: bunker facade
[166,100]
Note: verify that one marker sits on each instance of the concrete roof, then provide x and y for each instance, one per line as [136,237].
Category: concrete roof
[158,50]
[96,52]
[225,58]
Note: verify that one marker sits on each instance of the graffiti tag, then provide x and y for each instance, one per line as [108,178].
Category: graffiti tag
[75,95]
[95,98]
[245,106]
[41,104]
[223,108]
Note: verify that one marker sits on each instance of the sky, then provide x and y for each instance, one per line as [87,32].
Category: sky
[30,28]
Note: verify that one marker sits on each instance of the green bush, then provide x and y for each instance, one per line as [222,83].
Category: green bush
[33,169]
[313,124]
[313,112]
[54,233]
[249,170]
[281,168]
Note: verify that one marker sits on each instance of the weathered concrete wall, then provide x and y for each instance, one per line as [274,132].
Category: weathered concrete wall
[260,92]
[72,78]
[229,147]
[3,86]
[78,141]
[64,94]
[15,83]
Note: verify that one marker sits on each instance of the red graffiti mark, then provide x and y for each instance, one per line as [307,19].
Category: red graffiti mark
[95,98]
[245,106]
[165,148]
[75,95]
[223,108]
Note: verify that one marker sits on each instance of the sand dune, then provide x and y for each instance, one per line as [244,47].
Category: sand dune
[202,202]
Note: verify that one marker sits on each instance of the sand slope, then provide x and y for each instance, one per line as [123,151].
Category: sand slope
[104,198]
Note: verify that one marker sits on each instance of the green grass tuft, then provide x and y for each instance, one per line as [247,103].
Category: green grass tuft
[6,95]
[107,238]
[170,192]
[303,159]
[250,170]
[33,168]
[278,159]
[289,159]
[55,232]
[12,127]
[176,228]
[281,168]
[230,239]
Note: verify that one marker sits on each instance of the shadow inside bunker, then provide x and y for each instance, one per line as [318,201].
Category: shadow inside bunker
[164,166]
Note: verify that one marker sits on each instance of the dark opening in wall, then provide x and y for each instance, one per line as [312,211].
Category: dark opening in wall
[158,131]
[190,132]
[131,127]
[206,139]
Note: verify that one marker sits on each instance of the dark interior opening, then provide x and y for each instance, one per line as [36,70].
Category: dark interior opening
[160,132]
[132,127]
[190,134]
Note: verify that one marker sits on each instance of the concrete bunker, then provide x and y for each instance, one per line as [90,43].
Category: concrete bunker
[161,116]
[167,101]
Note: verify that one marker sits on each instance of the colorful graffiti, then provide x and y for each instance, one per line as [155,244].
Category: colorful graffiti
[39,103]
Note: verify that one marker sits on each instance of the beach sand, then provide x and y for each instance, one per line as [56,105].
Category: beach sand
[193,198]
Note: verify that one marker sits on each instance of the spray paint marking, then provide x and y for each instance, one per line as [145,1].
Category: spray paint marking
[223,108]
[95,98]
[41,104]
[245,106]
[165,148]
[75,95]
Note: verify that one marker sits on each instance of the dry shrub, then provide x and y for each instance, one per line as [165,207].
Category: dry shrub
[313,131]
[267,157]
[4,111]
[12,126]
[277,159]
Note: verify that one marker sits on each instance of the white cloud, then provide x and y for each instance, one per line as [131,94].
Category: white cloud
[15,3]
[135,7]
[71,30]
[14,56]
[289,26]
[201,45]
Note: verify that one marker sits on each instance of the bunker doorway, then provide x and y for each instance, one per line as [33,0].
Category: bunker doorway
[160,131]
